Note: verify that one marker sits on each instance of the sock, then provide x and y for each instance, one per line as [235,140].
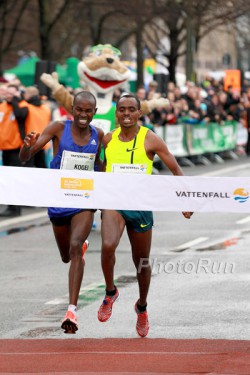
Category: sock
[141,308]
[72,308]
[111,293]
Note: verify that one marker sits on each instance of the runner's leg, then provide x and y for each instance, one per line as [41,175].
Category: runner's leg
[62,236]
[141,245]
[81,225]
[112,228]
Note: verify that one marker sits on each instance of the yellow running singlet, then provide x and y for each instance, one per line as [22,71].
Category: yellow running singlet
[128,157]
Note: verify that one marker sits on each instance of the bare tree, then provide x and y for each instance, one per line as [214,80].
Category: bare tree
[63,26]
[48,19]
[11,12]
[120,21]
[137,22]
[243,42]
[185,23]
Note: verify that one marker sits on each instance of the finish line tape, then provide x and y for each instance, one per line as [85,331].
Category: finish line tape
[76,189]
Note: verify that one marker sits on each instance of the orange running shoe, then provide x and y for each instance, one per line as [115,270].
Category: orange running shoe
[69,323]
[105,310]
[84,248]
[142,324]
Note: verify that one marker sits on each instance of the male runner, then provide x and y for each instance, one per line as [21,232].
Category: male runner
[131,145]
[73,142]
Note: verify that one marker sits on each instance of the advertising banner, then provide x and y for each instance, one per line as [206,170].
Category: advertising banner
[211,138]
[64,188]
[175,138]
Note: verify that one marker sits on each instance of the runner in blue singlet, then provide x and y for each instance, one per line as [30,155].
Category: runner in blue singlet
[76,145]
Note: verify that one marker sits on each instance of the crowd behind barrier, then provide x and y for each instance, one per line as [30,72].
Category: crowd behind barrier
[199,119]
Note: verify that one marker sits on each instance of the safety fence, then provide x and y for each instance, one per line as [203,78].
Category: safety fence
[185,140]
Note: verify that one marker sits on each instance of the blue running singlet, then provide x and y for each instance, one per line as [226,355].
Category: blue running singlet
[67,144]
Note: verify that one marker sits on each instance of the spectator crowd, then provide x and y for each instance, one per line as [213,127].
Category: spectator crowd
[195,104]
[23,109]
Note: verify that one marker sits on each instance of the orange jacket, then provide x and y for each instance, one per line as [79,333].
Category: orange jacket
[37,120]
[10,137]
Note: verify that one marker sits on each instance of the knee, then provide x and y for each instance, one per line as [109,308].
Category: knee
[75,249]
[108,247]
[64,252]
[65,259]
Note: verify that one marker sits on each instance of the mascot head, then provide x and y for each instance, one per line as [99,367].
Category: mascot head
[102,69]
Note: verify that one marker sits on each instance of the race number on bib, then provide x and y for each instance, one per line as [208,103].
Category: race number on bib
[129,168]
[77,160]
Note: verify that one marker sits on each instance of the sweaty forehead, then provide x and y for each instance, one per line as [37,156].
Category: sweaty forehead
[127,102]
[84,101]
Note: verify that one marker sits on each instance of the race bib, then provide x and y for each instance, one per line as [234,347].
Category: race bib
[129,168]
[77,161]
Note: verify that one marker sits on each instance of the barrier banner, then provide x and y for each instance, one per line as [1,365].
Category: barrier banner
[198,139]
[175,138]
[212,137]
[65,188]
[242,135]
[229,130]
[217,138]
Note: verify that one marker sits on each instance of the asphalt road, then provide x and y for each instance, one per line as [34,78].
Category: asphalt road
[199,289]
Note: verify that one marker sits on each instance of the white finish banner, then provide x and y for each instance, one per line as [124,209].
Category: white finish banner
[78,189]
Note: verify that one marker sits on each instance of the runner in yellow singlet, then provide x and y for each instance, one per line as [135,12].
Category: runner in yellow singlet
[131,148]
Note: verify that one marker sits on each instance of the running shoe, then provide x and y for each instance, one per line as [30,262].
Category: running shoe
[84,248]
[69,323]
[105,310]
[142,324]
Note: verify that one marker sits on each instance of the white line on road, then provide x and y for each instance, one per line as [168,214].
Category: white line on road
[243,221]
[186,245]
[87,288]
[225,170]
[21,219]
[57,301]
[92,286]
